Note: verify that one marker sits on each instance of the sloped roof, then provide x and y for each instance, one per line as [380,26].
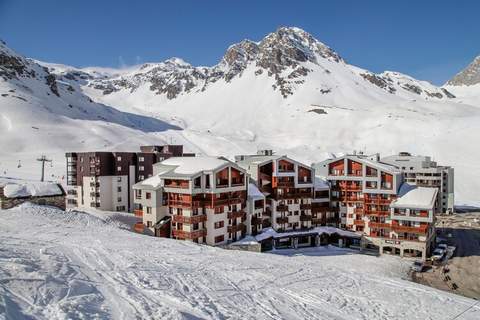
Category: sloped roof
[254,193]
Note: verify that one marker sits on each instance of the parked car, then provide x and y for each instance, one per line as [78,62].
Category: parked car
[438,254]
[442,246]
[417,266]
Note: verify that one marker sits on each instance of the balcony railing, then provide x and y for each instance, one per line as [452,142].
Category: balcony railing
[189,219]
[139,227]
[180,234]
[282,220]
[319,221]
[138,213]
[358,222]
[282,208]
[377,213]
[409,229]
[305,206]
[236,228]
[305,217]
[379,225]
[236,214]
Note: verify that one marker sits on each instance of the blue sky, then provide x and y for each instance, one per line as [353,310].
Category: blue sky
[430,40]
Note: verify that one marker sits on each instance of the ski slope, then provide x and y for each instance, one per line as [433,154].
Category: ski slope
[72,265]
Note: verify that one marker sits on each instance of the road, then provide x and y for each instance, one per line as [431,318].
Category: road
[464,267]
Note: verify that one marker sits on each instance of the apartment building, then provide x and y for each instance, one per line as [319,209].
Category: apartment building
[364,191]
[199,199]
[287,186]
[423,172]
[104,180]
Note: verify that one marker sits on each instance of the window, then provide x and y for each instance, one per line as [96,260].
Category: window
[219,239]
[119,168]
[148,195]
[119,189]
[141,177]
[149,224]
[81,169]
[119,158]
[141,168]
[119,199]
[219,224]
[119,179]
[141,159]
[218,210]
[149,210]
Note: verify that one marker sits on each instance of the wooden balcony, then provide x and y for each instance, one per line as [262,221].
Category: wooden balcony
[256,221]
[180,234]
[236,214]
[319,221]
[139,227]
[285,184]
[379,225]
[138,213]
[189,219]
[236,228]
[282,220]
[306,206]
[305,217]
[358,222]
[358,211]
[282,208]
[316,209]
[408,229]
[376,213]
[179,203]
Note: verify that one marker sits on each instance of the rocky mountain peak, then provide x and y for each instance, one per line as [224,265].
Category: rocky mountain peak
[468,76]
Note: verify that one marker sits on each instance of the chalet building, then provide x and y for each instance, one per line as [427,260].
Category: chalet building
[296,202]
[104,180]
[365,192]
[287,186]
[199,199]
[423,172]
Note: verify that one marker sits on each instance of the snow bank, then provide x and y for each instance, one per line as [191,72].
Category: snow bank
[71,265]
[21,188]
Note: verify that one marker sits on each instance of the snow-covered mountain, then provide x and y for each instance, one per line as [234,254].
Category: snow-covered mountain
[466,84]
[294,94]
[40,113]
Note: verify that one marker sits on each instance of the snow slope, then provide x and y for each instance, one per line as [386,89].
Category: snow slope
[40,114]
[288,92]
[291,93]
[72,265]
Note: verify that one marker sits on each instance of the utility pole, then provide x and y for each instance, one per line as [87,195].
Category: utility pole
[43,159]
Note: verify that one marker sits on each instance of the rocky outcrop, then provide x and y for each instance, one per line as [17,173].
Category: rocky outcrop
[379,81]
[468,76]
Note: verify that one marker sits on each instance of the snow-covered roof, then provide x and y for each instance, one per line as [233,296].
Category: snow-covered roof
[193,165]
[320,183]
[152,182]
[254,193]
[271,233]
[13,188]
[411,196]
[257,160]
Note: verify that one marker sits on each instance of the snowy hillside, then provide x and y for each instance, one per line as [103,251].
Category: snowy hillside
[40,114]
[57,265]
[296,95]
[288,92]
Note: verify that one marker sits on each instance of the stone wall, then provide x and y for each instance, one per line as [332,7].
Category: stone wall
[55,201]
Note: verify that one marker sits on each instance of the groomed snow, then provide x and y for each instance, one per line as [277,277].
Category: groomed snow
[70,265]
